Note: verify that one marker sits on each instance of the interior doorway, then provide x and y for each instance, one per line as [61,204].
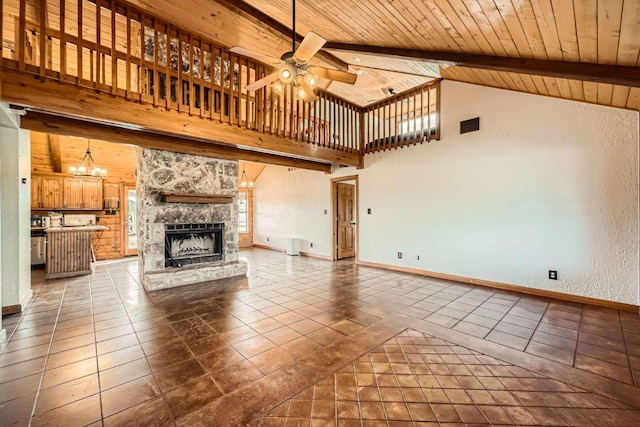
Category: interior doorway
[130,220]
[344,192]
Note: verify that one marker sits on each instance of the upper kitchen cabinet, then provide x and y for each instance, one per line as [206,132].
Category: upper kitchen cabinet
[83,193]
[46,192]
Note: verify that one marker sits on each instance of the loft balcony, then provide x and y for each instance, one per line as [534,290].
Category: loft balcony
[134,77]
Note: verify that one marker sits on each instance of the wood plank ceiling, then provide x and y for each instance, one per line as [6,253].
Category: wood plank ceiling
[576,31]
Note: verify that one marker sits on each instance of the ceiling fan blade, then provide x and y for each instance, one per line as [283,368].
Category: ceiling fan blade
[338,76]
[310,45]
[309,94]
[262,82]
[265,59]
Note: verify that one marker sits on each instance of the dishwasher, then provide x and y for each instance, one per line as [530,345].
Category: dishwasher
[38,247]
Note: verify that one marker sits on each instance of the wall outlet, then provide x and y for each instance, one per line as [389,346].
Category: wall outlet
[553,275]
[418,258]
[325,211]
[368,211]
[311,244]
[267,239]
[399,254]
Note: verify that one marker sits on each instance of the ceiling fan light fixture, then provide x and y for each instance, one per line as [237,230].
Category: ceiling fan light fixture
[287,74]
[311,79]
[300,93]
[277,87]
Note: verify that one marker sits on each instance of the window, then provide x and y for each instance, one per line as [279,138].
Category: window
[243,212]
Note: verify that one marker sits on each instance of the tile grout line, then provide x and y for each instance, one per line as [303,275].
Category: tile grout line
[46,360]
[115,288]
[626,350]
[536,328]
[95,345]
[575,353]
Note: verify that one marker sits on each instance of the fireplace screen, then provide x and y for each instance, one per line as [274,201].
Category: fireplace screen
[192,243]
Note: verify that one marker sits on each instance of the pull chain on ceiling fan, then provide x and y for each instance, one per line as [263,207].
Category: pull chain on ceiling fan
[293,67]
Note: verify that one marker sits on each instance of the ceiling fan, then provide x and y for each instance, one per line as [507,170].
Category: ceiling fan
[293,67]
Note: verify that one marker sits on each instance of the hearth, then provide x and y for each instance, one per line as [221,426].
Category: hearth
[193,244]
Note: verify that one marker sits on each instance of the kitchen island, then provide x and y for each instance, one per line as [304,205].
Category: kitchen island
[69,250]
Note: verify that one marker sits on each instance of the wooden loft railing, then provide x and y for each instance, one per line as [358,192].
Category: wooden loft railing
[112,48]
[409,118]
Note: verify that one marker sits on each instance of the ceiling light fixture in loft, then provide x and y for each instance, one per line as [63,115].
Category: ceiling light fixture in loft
[244,182]
[87,166]
[293,67]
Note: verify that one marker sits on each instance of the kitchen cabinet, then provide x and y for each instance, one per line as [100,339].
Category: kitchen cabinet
[83,193]
[46,192]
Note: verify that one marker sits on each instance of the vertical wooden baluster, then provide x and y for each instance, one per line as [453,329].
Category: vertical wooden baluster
[223,84]
[21,35]
[127,59]
[114,57]
[387,124]
[191,94]
[167,68]
[202,80]
[364,144]
[98,52]
[143,75]
[179,95]
[428,130]
[80,45]
[422,115]
[212,80]
[259,101]
[247,122]
[156,55]
[396,123]
[235,97]
[43,38]
[63,43]
[437,85]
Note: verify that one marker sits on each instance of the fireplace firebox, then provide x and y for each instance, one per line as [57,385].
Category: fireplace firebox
[186,244]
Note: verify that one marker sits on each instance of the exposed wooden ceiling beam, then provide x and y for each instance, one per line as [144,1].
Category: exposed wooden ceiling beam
[86,104]
[258,17]
[599,73]
[58,125]
[54,152]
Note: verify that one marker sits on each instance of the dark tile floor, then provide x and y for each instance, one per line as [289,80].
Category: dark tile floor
[98,349]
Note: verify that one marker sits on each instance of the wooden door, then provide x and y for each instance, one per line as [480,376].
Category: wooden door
[51,192]
[92,193]
[72,193]
[346,221]
[36,191]
[130,220]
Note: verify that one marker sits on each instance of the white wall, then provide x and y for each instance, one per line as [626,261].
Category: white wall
[15,220]
[545,184]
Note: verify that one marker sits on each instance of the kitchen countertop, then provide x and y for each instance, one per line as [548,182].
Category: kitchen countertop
[78,228]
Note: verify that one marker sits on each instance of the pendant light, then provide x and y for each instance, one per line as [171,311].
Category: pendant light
[244,182]
[87,166]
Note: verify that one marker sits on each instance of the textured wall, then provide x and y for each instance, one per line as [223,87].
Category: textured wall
[545,184]
[159,171]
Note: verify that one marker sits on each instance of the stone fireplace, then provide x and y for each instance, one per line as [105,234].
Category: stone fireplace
[186,238]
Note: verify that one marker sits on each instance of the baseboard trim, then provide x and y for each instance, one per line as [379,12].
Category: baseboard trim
[309,254]
[11,309]
[508,287]
[271,248]
[312,255]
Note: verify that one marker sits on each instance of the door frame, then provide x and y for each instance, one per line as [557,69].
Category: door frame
[124,235]
[334,215]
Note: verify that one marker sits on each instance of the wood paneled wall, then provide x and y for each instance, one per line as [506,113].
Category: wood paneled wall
[117,159]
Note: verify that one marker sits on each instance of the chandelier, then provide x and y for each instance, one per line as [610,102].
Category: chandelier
[87,166]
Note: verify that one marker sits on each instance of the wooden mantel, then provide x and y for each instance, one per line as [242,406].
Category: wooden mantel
[171,197]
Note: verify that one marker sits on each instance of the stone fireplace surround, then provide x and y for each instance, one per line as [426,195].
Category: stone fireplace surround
[163,171]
